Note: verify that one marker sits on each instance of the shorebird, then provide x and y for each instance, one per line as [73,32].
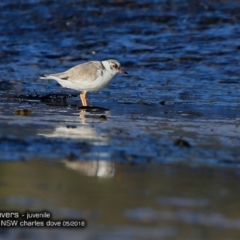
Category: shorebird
[87,77]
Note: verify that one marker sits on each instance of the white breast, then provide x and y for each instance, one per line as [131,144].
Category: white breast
[100,82]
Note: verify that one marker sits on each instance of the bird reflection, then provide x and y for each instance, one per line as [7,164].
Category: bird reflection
[100,168]
[91,145]
[83,132]
[82,115]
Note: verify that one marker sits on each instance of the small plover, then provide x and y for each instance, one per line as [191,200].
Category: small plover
[87,77]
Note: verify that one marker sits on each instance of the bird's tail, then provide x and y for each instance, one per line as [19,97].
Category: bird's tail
[44,76]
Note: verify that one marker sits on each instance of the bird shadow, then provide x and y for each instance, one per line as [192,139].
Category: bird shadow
[54,99]
[93,109]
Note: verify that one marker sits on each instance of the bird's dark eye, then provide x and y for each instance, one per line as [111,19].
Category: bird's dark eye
[115,65]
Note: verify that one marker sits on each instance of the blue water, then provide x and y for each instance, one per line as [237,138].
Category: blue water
[157,157]
[168,47]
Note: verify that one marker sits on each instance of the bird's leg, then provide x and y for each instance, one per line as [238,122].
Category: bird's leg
[83,98]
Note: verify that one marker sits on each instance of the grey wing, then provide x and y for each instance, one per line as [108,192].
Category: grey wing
[83,72]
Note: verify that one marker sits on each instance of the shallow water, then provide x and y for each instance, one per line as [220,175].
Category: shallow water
[127,202]
[173,121]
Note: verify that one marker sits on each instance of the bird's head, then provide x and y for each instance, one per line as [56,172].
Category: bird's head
[115,66]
